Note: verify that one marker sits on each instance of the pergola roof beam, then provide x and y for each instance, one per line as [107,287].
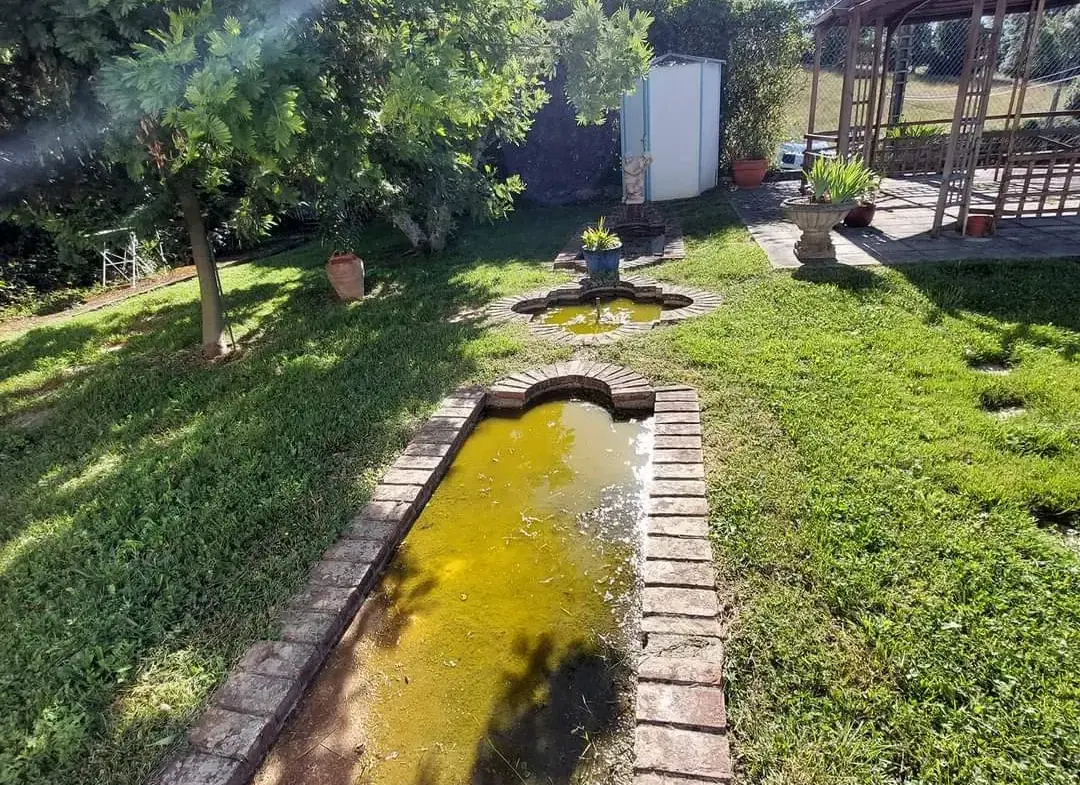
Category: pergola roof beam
[917,11]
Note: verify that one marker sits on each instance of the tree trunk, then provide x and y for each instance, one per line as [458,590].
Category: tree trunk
[213,314]
[403,221]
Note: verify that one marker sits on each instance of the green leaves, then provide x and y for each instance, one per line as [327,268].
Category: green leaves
[604,57]
[211,95]
[838,180]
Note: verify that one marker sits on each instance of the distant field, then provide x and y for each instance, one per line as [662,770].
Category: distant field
[927,99]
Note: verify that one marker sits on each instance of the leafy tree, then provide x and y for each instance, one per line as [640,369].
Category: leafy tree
[950,43]
[1057,50]
[418,97]
[200,102]
[383,107]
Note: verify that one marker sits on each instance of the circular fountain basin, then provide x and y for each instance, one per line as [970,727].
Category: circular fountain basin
[599,316]
[586,313]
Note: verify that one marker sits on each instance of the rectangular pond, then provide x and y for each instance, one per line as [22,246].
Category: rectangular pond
[497,646]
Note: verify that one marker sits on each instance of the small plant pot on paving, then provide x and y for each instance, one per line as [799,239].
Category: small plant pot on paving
[346,274]
[979,226]
[860,216]
[749,173]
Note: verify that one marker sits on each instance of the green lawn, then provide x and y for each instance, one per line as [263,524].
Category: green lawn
[897,615]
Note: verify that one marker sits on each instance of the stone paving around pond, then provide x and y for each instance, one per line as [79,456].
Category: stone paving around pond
[680,718]
[900,233]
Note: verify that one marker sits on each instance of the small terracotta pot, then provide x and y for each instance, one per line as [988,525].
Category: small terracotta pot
[860,216]
[979,226]
[749,173]
[346,274]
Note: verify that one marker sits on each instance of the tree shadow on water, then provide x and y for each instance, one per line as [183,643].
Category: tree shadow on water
[551,718]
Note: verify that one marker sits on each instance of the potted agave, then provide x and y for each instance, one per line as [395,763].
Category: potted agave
[834,187]
[602,250]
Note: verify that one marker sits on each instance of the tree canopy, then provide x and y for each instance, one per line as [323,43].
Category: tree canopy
[381,108]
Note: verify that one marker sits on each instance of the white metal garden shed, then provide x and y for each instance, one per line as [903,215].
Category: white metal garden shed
[674,116]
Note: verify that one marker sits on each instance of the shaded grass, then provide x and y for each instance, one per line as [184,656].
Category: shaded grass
[897,614]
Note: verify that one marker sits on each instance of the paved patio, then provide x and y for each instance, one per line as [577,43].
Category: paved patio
[901,230]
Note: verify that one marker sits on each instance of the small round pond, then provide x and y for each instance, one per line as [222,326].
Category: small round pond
[589,313]
[600,316]
[496,647]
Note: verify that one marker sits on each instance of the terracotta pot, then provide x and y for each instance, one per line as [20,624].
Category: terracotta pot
[816,220]
[346,274]
[860,216]
[749,173]
[979,226]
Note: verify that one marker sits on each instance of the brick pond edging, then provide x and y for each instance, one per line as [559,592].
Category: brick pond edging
[680,719]
[522,308]
[680,736]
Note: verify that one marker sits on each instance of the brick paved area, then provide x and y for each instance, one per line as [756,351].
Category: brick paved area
[900,233]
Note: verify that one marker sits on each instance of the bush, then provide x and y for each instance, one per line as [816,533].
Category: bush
[763,58]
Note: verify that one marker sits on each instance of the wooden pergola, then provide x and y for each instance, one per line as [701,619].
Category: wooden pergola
[1036,164]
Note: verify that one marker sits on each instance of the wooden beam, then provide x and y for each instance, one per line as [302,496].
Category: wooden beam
[848,91]
[881,93]
[819,44]
[1016,101]
[975,134]
[873,104]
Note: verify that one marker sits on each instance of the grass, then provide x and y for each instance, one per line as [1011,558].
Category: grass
[927,98]
[902,605]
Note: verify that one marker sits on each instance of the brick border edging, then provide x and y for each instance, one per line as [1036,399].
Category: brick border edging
[680,726]
[701,303]
[680,730]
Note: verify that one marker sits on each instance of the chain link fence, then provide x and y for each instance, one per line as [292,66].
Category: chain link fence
[936,52]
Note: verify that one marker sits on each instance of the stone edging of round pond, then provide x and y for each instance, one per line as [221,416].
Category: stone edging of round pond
[522,307]
[681,726]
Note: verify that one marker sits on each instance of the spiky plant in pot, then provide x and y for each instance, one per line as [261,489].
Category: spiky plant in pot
[834,186]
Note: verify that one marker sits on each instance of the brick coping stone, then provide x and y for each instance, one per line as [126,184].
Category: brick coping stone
[521,308]
[680,719]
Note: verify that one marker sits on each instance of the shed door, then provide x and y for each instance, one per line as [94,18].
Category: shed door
[674,103]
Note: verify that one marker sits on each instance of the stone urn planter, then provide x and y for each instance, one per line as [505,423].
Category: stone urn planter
[749,173]
[346,274]
[816,220]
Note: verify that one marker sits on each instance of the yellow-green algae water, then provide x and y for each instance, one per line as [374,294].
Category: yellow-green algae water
[495,649]
[592,318]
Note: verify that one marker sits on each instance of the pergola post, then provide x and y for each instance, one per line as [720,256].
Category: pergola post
[873,104]
[847,94]
[959,115]
[819,44]
[881,92]
[900,74]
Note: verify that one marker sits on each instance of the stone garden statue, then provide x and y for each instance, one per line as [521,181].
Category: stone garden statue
[634,168]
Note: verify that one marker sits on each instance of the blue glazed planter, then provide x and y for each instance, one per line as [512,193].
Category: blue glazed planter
[603,264]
